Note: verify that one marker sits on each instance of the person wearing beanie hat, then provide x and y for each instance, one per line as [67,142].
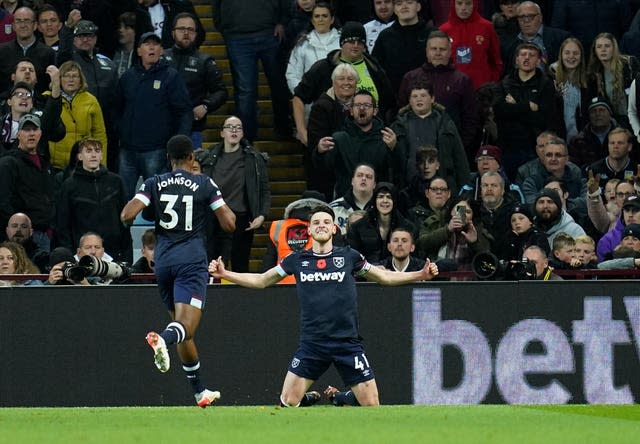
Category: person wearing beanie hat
[627,254]
[318,79]
[523,234]
[551,218]
[408,32]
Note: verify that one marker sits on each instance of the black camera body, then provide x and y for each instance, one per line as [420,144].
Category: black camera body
[91,266]
[487,267]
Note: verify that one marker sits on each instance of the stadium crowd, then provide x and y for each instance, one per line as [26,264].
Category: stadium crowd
[447,128]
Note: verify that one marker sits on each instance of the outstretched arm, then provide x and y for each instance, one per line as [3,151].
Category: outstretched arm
[249,280]
[388,277]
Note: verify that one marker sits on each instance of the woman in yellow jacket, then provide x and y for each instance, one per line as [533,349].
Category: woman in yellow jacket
[81,115]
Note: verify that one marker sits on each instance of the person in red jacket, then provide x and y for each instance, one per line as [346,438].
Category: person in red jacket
[475,45]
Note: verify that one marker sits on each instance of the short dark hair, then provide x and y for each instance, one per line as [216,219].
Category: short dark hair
[426,152]
[365,92]
[128,19]
[149,237]
[322,209]
[422,85]
[528,45]
[406,230]
[47,8]
[179,147]
[184,15]
[437,34]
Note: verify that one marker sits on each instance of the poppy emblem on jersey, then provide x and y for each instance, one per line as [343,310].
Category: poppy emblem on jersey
[479,39]
[321,264]
[295,363]
[338,262]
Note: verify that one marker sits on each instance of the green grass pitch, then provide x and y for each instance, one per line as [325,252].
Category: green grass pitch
[493,424]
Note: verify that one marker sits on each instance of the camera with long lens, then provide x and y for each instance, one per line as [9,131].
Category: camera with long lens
[72,271]
[95,267]
[487,266]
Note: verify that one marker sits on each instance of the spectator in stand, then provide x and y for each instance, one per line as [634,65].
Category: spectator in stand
[200,72]
[358,197]
[24,71]
[532,31]
[240,172]
[630,215]
[425,122]
[365,139]
[557,167]
[452,88]
[591,143]
[11,5]
[522,235]
[24,21]
[474,43]
[585,19]
[535,166]
[563,253]
[150,91]
[569,73]
[81,115]
[506,25]
[627,254]
[605,216]
[300,21]
[49,25]
[383,18]
[328,115]
[19,230]
[6,24]
[523,109]
[618,164]
[60,258]
[459,239]
[317,79]
[538,257]
[314,45]
[610,75]
[407,32]
[371,234]
[550,217]
[496,206]
[401,246]
[91,199]
[123,58]
[585,251]
[20,103]
[253,34]
[432,213]
[488,159]
[159,15]
[575,207]
[146,263]
[14,260]
[27,183]
[427,166]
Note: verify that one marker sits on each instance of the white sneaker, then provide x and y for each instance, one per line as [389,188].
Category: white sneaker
[161,354]
[207,397]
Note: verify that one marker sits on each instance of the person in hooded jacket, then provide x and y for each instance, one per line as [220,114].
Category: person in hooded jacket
[475,46]
[522,235]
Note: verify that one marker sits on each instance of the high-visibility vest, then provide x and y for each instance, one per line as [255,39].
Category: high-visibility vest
[289,235]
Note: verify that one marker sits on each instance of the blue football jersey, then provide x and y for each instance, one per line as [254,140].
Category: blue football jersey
[181,203]
[327,291]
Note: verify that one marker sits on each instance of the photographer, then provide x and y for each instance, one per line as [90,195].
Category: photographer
[61,260]
[537,256]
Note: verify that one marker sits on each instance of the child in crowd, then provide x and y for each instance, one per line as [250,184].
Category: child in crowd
[585,251]
[563,253]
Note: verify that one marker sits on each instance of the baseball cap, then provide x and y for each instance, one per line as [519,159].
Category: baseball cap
[631,202]
[600,101]
[28,118]
[489,150]
[149,35]
[84,27]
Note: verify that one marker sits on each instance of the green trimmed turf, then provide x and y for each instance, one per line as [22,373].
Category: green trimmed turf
[323,424]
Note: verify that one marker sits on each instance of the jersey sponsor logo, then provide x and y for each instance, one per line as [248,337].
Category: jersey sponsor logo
[295,362]
[321,264]
[320,277]
[338,262]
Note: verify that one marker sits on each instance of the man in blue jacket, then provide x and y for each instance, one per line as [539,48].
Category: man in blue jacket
[152,104]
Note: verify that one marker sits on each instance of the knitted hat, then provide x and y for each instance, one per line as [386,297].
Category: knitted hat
[524,210]
[632,230]
[489,150]
[353,32]
[551,194]
[600,101]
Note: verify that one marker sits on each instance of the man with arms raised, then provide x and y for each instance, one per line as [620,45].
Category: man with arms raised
[331,302]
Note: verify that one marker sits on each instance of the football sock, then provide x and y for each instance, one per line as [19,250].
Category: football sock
[192,370]
[174,333]
[345,398]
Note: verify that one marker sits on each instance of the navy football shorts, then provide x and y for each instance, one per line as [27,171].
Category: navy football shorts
[312,359]
[185,283]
